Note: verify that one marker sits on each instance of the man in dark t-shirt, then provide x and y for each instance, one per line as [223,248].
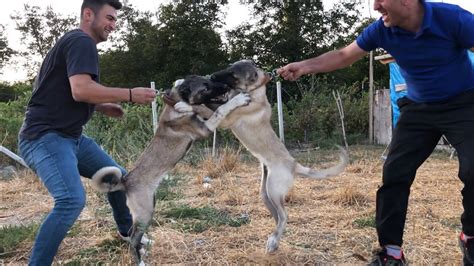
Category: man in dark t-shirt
[65,95]
[430,42]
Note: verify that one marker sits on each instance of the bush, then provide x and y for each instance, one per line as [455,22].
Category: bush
[13,92]
[11,118]
[124,139]
[313,117]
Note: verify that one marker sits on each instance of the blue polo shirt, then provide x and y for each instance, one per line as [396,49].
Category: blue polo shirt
[433,61]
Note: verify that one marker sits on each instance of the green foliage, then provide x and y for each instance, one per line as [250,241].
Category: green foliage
[13,92]
[5,51]
[124,138]
[314,118]
[12,236]
[182,38]
[368,221]
[200,219]
[291,31]
[184,41]
[40,29]
[11,118]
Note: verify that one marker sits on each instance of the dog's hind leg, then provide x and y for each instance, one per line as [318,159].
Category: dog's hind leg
[279,181]
[141,204]
[263,193]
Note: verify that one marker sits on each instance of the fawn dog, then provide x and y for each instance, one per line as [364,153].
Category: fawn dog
[251,125]
[179,125]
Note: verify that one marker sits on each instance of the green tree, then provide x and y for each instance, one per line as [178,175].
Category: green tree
[5,51]
[40,29]
[193,44]
[289,31]
[133,59]
[183,41]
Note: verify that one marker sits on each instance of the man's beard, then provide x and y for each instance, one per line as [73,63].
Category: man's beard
[98,32]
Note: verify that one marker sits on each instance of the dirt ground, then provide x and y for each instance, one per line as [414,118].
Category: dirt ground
[330,221]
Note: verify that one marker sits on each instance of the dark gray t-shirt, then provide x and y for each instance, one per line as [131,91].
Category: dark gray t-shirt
[52,107]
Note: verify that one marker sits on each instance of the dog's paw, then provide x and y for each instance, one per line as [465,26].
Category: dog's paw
[272,244]
[241,99]
[183,107]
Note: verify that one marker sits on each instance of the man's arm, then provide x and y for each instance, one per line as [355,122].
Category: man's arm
[472,49]
[326,62]
[84,89]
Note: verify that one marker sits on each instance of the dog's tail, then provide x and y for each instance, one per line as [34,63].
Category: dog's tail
[328,172]
[108,179]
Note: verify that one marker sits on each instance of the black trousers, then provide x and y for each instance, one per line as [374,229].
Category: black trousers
[419,128]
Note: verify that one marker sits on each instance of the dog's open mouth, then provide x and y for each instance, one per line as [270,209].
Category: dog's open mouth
[221,99]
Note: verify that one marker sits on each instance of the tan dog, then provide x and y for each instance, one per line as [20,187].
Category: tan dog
[179,125]
[251,125]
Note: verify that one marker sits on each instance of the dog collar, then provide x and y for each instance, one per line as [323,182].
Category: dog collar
[168,100]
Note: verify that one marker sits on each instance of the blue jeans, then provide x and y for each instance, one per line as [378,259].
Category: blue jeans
[60,162]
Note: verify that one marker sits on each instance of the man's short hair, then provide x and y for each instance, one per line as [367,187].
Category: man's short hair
[96,5]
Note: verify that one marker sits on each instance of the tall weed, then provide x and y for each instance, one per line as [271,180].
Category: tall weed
[313,117]
[124,138]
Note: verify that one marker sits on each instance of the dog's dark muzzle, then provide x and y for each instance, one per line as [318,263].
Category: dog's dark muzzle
[215,93]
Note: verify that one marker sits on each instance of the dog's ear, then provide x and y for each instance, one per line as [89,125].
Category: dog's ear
[184,90]
[218,85]
[225,77]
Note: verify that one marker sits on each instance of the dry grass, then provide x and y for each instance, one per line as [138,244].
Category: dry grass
[327,219]
[225,161]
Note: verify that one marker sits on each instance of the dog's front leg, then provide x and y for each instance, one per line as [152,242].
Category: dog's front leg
[182,109]
[201,110]
[240,100]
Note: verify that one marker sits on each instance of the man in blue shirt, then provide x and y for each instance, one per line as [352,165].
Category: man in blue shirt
[65,95]
[430,42]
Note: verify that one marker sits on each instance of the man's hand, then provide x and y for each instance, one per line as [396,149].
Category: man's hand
[291,71]
[324,63]
[142,95]
[110,109]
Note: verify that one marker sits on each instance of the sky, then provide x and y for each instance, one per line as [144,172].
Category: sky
[236,13]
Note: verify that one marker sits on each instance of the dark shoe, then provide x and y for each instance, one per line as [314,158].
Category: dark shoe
[382,258]
[467,248]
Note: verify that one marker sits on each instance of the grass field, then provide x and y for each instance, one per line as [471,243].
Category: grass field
[330,221]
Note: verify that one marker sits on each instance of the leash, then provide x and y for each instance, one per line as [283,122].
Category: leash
[168,100]
[274,74]
[165,97]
